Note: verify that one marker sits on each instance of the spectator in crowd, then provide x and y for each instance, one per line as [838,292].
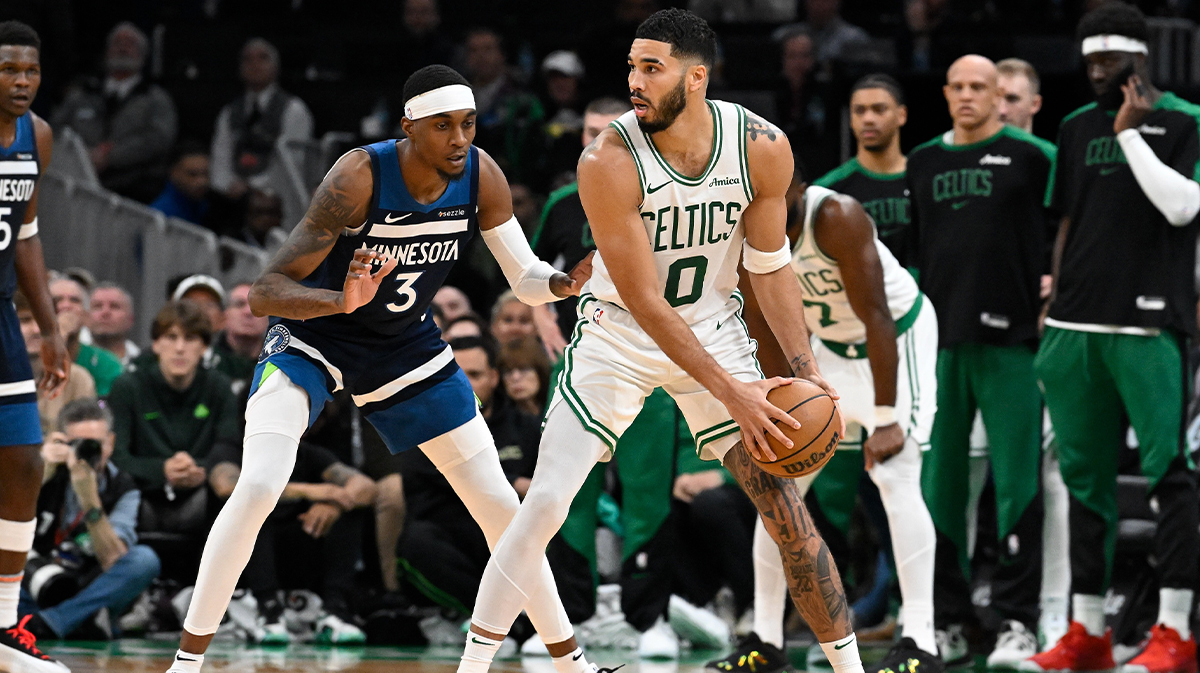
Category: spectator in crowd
[834,37]
[110,319]
[1020,93]
[510,118]
[79,381]
[525,371]
[249,127]
[86,497]
[738,11]
[453,303]
[186,195]
[562,76]
[168,413]
[802,103]
[71,302]
[207,293]
[127,123]
[235,349]
[526,207]
[512,320]
[311,540]
[442,551]
[264,214]
[422,42]
[469,325]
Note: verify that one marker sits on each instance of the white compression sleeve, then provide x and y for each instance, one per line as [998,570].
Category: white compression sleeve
[1176,196]
[528,275]
[276,416]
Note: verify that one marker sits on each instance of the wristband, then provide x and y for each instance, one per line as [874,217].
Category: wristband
[884,415]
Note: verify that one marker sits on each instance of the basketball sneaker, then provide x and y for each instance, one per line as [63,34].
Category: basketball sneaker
[332,630]
[659,642]
[906,657]
[1076,651]
[19,652]
[1014,644]
[700,627]
[952,646]
[751,655]
[1165,652]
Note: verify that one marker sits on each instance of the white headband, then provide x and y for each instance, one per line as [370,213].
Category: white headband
[1097,43]
[440,100]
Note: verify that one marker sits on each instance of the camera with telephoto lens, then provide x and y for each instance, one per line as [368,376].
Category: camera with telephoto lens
[88,450]
[50,580]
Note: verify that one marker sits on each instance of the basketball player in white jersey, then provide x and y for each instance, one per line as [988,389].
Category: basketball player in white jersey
[677,192]
[876,341]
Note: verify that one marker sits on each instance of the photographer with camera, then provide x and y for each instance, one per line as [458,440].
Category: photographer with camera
[86,558]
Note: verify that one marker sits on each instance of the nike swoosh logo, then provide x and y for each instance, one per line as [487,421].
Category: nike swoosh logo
[577,657]
[183,658]
[959,205]
[478,641]
[838,647]
[651,190]
[389,219]
[1110,170]
[719,325]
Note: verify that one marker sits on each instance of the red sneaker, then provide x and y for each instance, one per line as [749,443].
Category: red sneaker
[1165,652]
[1077,651]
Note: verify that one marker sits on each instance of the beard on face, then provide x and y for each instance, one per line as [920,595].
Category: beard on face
[668,109]
[1112,97]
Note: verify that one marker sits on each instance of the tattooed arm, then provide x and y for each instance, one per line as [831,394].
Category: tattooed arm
[812,575]
[359,488]
[778,293]
[340,201]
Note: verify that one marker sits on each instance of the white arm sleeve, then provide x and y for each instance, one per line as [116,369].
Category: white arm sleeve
[1176,196]
[528,275]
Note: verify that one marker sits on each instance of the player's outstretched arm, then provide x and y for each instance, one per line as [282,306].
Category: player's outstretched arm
[611,195]
[341,201]
[778,292]
[533,280]
[31,278]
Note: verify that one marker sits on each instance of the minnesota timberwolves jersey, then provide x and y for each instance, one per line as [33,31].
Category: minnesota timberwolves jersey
[694,223]
[18,178]
[827,309]
[425,239]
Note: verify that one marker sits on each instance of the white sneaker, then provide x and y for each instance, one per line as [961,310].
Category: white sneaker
[1014,645]
[1053,626]
[701,627]
[302,610]
[441,631]
[609,632]
[332,630]
[138,619]
[272,634]
[659,642]
[534,647]
[243,612]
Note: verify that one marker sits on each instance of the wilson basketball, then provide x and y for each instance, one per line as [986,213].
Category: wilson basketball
[818,436]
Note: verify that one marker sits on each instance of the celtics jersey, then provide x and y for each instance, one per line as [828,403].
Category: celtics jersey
[827,310]
[982,234]
[694,223]
[1123,264]
[885,198]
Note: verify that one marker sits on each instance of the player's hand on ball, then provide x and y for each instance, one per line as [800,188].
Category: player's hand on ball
[361,284]
[747,404]
[885,442]
[833,394]
[569,284]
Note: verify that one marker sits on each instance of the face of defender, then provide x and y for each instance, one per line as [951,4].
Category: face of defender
[660,83]
[443,140]
[875,117]
[20,77]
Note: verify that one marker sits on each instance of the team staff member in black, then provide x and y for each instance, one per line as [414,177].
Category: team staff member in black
[1122,306]
[980,230]
[875,175]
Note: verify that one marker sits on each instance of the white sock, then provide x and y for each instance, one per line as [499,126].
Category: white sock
[1089,611]
[1056,555]
[477,655]
[186,662]
[574,662]
[918,625]
[1174,608]
[843,655]
[770,587]
[10,596]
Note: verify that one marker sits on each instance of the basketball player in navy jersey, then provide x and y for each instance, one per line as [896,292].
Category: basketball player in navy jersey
[350,294]
[25,145]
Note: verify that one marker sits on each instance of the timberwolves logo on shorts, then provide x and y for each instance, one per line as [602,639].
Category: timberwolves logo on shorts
[275,342]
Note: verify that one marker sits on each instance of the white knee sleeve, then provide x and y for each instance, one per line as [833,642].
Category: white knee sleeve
[478,479]
[770,587]
[17,536]
[276,417]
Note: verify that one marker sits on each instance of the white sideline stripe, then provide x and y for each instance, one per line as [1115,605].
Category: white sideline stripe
[18,388]
[21,167]
[415,376]
[422,229]
[316,355]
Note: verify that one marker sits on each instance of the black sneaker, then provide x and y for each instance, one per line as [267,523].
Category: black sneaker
[19,652]
[906,657]
[752,655]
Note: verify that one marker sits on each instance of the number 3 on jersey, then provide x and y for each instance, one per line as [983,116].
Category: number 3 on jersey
[408,296]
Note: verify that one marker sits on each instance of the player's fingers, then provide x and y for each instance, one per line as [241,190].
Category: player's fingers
[774,430]
[389,263]
[782,416]
[365,254]
[755,448]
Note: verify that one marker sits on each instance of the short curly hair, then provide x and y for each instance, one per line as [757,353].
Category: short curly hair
[1114,18]
[689,35]
[17,34]
[429,78]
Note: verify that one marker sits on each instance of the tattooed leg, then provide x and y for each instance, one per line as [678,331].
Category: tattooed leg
[812,575]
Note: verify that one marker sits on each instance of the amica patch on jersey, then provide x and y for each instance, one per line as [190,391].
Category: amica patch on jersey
[276,341]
